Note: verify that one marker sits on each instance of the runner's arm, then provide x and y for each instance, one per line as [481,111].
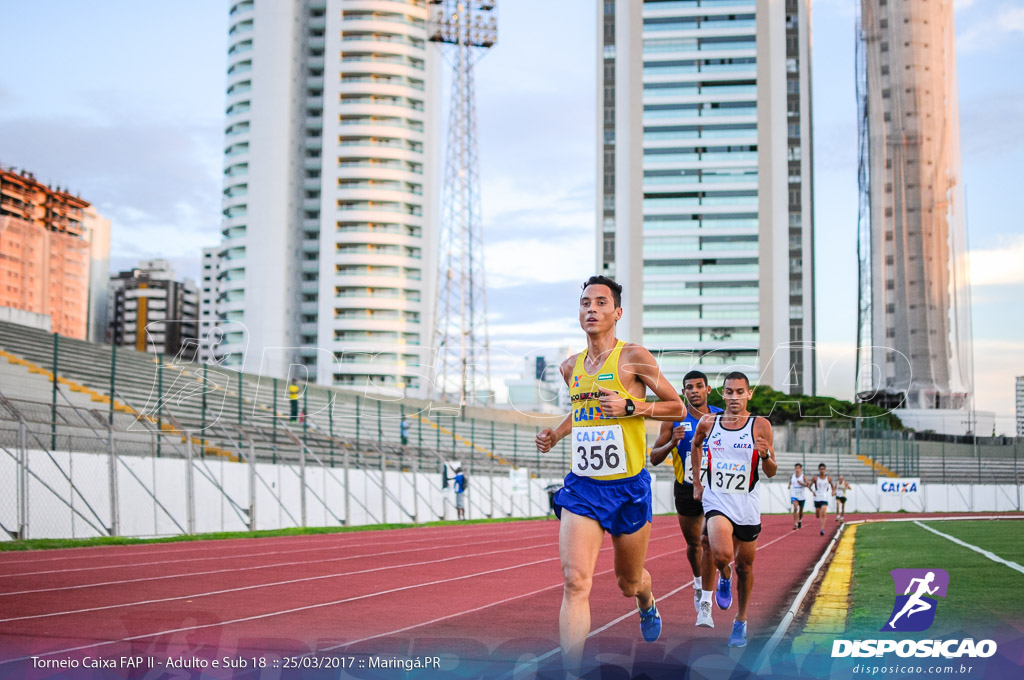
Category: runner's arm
[664,445]
[765,441]
[697,452]
[640,363]
[548,437]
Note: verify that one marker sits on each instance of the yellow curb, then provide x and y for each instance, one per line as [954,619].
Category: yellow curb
[832,604]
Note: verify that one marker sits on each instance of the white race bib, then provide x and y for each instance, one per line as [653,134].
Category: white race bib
[688,467]
[731,476]
[598,450]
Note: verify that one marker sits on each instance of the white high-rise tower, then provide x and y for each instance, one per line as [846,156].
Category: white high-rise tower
[329,211]
[705,201]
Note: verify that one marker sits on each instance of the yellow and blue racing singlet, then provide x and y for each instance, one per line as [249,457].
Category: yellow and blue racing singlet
[604,448]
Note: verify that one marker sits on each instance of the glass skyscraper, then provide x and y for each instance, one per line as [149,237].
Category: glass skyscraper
[705,203]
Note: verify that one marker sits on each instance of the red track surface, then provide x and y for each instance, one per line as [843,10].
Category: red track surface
[488,591]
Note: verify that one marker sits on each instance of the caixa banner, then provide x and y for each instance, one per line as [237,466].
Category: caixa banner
[899,486]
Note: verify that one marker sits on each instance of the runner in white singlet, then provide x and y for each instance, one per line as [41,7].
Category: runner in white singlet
[739,447]
[823,489]
[797,494]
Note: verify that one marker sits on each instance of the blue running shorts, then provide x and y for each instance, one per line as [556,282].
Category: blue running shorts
[620,506]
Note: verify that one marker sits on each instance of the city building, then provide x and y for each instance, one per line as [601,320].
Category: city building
[152,311]
[705,200]
[915,335]
[54,254]
[331,164]
[98,233]
[209,327]
[541,388]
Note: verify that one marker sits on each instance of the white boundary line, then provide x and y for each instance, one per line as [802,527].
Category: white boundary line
[330,547]
[277,613]
[780,631]
[292,610]
[233,570]
[790,614]
[992,556]
[256,586]
[338,539]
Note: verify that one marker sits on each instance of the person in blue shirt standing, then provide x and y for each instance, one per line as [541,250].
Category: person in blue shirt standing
[676,438]
[460,493]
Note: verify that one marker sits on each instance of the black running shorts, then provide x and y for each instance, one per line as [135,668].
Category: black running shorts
[741,532]
[685,505]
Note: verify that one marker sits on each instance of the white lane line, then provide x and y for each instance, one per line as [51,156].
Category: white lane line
[992,556]
[334,540]
[232,570]
[257,586]
[287,611]
[281,612]
[228,557]
[632,612]
[486,606]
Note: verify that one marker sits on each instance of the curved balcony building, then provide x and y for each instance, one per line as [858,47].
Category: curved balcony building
[329,232]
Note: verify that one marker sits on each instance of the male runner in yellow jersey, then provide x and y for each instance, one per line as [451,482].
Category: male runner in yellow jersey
[676,438]
[607,488]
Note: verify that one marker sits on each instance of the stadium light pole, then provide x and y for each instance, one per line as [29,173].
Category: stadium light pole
[462,369]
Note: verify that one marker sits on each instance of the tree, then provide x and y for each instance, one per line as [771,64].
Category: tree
[781,408]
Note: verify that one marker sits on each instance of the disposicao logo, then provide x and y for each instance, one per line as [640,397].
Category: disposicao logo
[914,611]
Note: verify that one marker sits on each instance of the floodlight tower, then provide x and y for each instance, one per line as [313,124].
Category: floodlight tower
[462,370]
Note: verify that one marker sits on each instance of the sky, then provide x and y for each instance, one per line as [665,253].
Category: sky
[123,102]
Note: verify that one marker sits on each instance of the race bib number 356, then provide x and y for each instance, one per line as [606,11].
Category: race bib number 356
[598,451]
[730,476]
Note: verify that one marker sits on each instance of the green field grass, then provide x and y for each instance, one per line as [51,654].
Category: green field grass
[53,543]
[984,596]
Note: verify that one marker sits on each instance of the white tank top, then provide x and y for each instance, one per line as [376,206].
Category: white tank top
[733,473]
[822,489]
[796,487]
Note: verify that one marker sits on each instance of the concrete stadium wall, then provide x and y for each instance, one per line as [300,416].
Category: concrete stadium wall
[278,497]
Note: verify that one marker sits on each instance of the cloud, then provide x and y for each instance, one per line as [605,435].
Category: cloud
[157,181]
[998,266]
[990,32]
[994,374]
[989,130]
[552,260]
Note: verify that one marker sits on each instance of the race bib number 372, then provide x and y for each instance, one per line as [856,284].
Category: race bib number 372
[730,476]
[598,451]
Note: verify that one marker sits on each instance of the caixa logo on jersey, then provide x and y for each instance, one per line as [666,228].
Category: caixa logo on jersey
[914,611]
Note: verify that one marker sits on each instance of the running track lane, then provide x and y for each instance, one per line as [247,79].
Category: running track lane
[477,590]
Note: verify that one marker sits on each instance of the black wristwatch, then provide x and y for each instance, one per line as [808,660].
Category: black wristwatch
[767,454]
[630,407]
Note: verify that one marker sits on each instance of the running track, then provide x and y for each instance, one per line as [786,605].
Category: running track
[484,595]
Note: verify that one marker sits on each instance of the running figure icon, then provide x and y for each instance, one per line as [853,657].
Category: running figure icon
[915,603]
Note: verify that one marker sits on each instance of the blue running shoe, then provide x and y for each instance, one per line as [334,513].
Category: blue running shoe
[723,594]
[650,623]
[739,634]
